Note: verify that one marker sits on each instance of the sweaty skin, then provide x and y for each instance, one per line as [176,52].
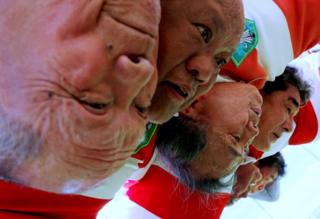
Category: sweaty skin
[69,75]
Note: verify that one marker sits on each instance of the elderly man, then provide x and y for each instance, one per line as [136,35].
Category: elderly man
[83,90]
[73,92]
[188,63]
[194,151]
[282,97]
[196,40]
[73,95]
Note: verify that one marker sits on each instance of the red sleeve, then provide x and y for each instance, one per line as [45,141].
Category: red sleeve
[21,202]
[160,193]
[249,71]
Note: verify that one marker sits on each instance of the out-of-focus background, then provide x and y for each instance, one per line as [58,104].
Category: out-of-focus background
[299,189]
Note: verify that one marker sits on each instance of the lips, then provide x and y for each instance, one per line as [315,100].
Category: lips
[180,90]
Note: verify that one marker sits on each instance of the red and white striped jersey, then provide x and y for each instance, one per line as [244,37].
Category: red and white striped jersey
[275,33]
[159,194]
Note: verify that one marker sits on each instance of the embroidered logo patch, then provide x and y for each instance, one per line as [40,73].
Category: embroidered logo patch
[248,42]
[150,130]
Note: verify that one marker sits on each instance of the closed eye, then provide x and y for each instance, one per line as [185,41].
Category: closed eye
[95,107]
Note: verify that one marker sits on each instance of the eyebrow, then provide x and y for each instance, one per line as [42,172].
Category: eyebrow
[294,101]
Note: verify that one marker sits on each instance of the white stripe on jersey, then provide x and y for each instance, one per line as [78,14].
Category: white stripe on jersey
[121,207]
[274,45]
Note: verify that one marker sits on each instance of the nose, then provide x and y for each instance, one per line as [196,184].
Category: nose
[288,124]
[132,75]
[201,68]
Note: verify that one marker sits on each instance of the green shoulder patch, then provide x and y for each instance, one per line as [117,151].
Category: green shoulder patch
[248,42]
[150,130]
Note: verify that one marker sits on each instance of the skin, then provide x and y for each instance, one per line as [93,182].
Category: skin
[196,40]
[269,175]
[278,111]
[68,73]
[248,176]
[231,112]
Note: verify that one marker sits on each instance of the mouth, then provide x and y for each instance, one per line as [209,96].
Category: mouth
[179,90]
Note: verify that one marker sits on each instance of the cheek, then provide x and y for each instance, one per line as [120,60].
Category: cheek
[272,121]
[174,49]
[168,57]
[84,63]
[117,131]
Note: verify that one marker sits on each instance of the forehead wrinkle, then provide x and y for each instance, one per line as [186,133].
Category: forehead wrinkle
[216,19]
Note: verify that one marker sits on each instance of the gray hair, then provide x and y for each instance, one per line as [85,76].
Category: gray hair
[18,142]
[179,141]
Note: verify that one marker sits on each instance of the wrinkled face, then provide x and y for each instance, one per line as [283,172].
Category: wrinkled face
[278,111]
[196,40]
[82,74]
[231,113]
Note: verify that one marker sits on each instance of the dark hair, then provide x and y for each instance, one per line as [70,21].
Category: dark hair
[276,160]
[289,76]
[179,141]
